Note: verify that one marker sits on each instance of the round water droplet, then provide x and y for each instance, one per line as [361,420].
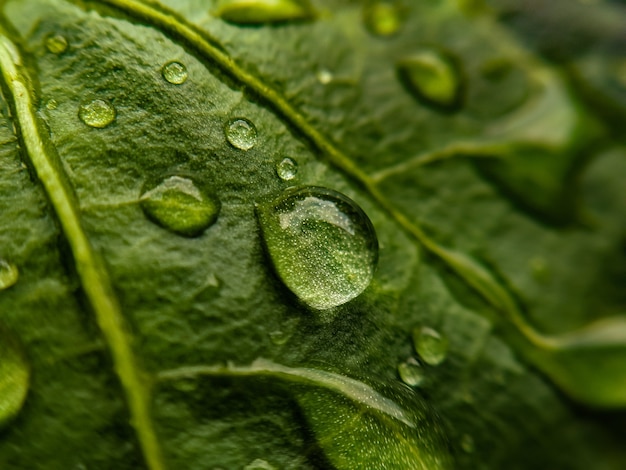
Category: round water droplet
[241,134]
[287,169]
[382,18]
[324,76]
[433,78]
[411,372]
[56,44]
[179,205]
[9,274]
[321,243]
[431,346]
[97,113]
[14,377]
[259,464]
[467,443]
[52,104]
[175,73]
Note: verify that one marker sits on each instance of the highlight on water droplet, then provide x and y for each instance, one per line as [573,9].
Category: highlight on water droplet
[411,372]
[174,73]
[287,169]
[241,133]
[14,376]
[9,274]
[434,78]
[431,346]
[264,11]
[382,18]
[56,44]
[321,243]
[97,113]
[259,464]
[176,203]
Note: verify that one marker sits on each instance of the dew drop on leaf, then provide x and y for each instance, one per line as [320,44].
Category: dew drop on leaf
[97,113]
[56,44]
[324,76]
[52,104]
[241,134]
[411,373]
[263,11]
[382,18]
[287,169]
[14,377]
[259,464]
[433,78]
[431,346]
[174,73]
[321,243]
[177,204]
[9,274]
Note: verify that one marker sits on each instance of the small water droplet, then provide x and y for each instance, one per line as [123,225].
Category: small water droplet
[382,18]
[14,377]
[264,11]
[56,44]
[175,73]
[467,443]
[433,78]
[241,134]
[179,205]
[324,76]
[97,113]
[52,104]
[321,243]
[411,372]
[259,464]
[287,169]
[9,274]
[431,346]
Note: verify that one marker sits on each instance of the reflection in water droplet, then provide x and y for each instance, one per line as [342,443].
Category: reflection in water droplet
[324,76]
[467,443]
[264,11]
[56,44]
[179,205]
[9,274]
[241,134]
[433,78]
[14,377]
[97,113]
[175,73]
[411,372]
[430,345]
[287,169]
[382,18]
[321,243]
[52,104]
[259,464]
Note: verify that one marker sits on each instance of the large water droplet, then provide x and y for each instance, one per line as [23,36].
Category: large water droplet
[56,44]
[264,11]
[322,245]
[433,78]
[9,274]
[431,346]
[259,464]
[97,113]
[241,134]
[287,169]
[411,372]
[178,204]
[175,73]
[14,377]
[382,18]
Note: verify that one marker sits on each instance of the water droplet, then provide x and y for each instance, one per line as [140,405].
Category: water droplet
[431,346]
[52,104]
[9,274]
[467,443]
[241,134]
[56,44]
[324,76]
[178,204]
[411,372]
[287,169]
[433,78]
[382,18]
[264,11]
[175,73]
[321,243]
[97,113]
[14,377]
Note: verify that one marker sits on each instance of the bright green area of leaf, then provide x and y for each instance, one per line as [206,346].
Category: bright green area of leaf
[469,209]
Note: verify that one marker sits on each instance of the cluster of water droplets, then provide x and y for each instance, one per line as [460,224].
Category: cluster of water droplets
[431,348]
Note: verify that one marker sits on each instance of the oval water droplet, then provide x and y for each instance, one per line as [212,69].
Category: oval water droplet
[287,169]
[321,243]
[434,78]
[97,113]
[382,18]
[174,73]
[241,134]
[411,372]
[259,464]
[57,44]
[431,346]
[176,203]
[9,274]
[14,377]
[264,11]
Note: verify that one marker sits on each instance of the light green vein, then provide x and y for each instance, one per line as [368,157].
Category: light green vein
[90,268]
